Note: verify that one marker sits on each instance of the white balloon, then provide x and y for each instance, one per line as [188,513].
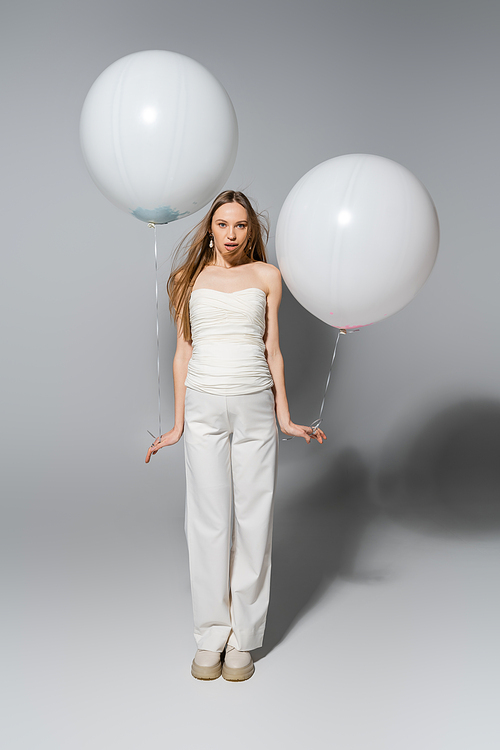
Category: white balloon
[159,135]
[356,238]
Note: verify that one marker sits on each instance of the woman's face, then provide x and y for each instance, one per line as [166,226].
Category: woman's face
[230,230]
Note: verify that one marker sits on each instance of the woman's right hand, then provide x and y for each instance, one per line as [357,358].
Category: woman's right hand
[168,438]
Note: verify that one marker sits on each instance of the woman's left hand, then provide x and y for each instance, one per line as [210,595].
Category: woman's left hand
[169,438]
[299,430]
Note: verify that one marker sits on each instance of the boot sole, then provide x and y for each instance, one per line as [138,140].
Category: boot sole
[238,674]
[206,673]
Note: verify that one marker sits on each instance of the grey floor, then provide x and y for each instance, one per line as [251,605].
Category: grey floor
[382,633]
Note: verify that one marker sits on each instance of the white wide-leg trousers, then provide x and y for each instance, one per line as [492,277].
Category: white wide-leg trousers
[231,447]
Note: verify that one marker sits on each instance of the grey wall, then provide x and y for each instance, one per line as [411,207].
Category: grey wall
[415,82]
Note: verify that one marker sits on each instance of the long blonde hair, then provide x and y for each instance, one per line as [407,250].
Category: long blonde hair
[194,252]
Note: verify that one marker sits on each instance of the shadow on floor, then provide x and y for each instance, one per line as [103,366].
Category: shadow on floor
[445,477]
[315,540]
[442,477]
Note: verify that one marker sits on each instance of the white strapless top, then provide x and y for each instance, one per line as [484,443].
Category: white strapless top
[227,330]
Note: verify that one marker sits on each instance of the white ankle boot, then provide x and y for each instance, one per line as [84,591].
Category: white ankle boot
[206,665]
[238,665]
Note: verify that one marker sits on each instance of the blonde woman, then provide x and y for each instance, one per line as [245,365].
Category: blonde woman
[229,388]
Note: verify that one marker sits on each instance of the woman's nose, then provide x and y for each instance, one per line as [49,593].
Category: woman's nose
[231,233]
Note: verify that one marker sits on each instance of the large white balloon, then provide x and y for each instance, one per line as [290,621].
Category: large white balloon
[159,135]
[356,238]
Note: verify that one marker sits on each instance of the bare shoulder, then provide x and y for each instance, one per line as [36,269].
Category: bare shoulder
[269,274]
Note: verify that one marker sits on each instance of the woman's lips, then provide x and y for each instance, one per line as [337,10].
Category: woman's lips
[230,245]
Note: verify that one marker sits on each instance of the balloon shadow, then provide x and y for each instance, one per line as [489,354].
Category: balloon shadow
[446,478]
[316,539]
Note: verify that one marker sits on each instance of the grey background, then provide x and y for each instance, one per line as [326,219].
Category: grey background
[384,618]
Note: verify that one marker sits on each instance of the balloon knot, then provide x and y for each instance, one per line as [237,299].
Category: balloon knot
[151,224]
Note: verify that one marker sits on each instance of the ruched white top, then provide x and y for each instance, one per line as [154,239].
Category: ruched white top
[227,330]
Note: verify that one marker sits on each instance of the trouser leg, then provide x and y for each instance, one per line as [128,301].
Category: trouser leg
[254,463]
[208,515]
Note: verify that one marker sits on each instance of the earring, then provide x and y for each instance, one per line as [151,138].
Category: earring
[211,243]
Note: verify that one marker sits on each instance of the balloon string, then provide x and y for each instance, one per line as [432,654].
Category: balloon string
[153,226]
[320,417]
[314,425]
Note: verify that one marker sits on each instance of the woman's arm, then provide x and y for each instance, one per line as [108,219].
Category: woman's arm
[276,364]
[182,356]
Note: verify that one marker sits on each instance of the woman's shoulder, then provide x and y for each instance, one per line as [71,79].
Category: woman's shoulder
[268,273]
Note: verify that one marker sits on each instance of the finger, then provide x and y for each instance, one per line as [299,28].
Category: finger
[319,435]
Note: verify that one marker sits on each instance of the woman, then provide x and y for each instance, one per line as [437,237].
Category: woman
[229,384]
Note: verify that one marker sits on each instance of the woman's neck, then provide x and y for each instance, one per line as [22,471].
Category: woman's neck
[226,266]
